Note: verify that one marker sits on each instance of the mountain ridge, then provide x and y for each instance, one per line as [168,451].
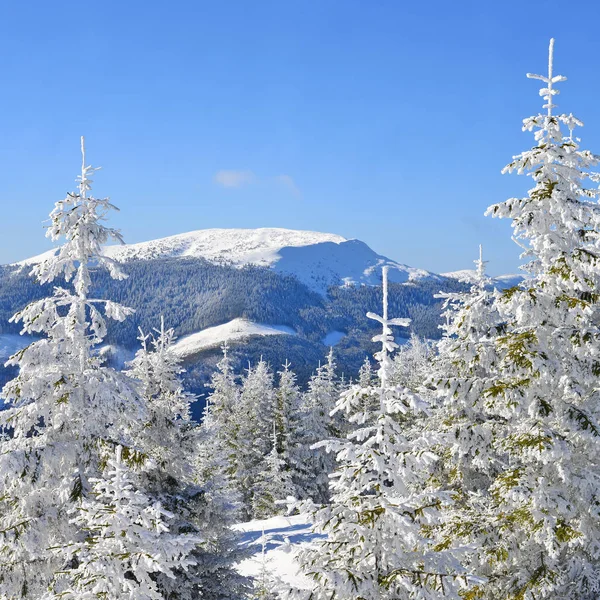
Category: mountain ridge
[317,259]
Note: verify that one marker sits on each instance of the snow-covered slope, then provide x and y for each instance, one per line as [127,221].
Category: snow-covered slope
[470,276]
[281,537]
[215,336]
[317,259]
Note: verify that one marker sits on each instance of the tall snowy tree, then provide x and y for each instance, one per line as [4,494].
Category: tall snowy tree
[542,537]
[220,425]
[254,415]
[316,423]
[464,368]
[127,543]
[287,402]
[273,483]
[467,360]
[64,409]
[198,503]
[168,435]
[375,547]
[413,365]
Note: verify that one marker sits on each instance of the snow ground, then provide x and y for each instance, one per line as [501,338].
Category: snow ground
[215,336]
[282,537]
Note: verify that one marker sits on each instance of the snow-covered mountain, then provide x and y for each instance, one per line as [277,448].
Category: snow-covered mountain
[316,259]
[470,276]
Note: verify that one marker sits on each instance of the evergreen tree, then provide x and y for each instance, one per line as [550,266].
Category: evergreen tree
[287,423]
[64,408]
[539,391]
[464,368]
[273,483]
[255,414]
[168,436]
[365,374]
[316,423]
[375,546]
[198,504]
[414,366]
[127,543]
[287,401]
[220,424]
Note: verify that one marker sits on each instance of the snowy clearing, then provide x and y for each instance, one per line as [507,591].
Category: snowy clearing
[333,338]
[215,336]
[282,537]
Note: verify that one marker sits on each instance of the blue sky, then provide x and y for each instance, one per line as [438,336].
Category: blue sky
[387,121]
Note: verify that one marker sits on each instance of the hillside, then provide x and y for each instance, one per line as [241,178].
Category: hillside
[318,260]
[274,293]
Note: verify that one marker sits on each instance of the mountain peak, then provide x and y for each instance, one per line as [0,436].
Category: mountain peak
[316,259]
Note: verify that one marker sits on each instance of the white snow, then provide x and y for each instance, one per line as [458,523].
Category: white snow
[116,355]
[215,336]
[283,535]
[317,259]
[237,247]
[507,281]
[333,338]
[470,276]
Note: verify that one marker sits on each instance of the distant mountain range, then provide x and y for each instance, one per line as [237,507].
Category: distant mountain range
[318,260]
[277,293]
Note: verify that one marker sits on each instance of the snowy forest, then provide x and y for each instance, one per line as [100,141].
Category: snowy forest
[462,467]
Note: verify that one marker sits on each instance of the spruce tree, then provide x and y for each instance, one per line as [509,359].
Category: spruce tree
[127,543]
[466,421]
[65,410]
[375,545]
[220,426]
[254,414]
[316,423]
[198,501]
[273,483]
[414,365]
[539,393]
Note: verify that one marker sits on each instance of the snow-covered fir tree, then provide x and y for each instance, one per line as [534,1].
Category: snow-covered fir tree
[219,423]
[414,364]
[253,443]
[465,365]
[366,374]
[64,408]
[316,422]
[273,483]
[168,435]
[127,542]
[287,417]
[198,501]
[375,547]
[539,389]
[287,404]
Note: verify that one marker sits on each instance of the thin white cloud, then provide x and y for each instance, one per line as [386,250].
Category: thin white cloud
[229,178]
[234,179]
[289,183]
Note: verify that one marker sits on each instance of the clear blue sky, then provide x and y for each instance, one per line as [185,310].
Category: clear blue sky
[383,120]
